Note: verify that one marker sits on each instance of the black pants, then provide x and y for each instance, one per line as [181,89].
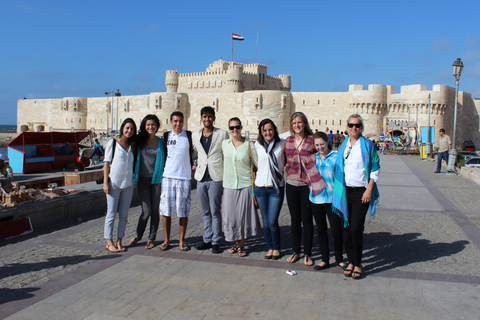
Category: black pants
[300,213]
[150,196]
[353,233]
[320,213]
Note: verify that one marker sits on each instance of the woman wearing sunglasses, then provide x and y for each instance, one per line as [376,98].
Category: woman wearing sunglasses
[302,177]
[239,215]
[355,190]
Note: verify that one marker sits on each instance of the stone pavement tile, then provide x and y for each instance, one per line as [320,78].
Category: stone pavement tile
[408,198]
[213,307]
[113,308]
[100,316]
[263,300]
[183,315]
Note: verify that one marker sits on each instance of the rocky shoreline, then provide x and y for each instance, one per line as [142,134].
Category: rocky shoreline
[6,137]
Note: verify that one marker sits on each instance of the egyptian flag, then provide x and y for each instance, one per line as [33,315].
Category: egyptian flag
[237,37]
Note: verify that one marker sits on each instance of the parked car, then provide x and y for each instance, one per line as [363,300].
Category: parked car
[467,154]
[473,162]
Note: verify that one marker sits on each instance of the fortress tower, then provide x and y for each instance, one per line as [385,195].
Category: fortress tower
[171,80]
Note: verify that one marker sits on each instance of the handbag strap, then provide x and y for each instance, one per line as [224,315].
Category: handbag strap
[251,167]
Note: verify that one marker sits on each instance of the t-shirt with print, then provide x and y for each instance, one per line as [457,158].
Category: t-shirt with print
[177,165]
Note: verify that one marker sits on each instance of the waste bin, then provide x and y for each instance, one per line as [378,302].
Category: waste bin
[423,151]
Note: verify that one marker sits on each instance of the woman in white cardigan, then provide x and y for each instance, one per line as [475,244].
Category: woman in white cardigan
[270,184]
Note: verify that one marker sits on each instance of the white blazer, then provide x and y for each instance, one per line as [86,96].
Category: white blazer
[214,159]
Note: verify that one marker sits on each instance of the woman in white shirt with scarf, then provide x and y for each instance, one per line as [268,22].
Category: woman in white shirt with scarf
[270,184]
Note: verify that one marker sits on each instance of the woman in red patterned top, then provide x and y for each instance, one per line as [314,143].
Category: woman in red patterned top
[302,176]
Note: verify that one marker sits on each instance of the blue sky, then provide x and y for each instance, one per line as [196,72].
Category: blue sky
[59,48]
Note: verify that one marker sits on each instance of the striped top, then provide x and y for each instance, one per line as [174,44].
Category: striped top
[301,164]
[327,170]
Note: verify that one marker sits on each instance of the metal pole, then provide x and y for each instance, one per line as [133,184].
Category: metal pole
[113,93]
[429,141]
[452,157]
[107,93]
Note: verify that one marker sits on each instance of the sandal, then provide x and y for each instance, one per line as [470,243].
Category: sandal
[233,249]
[164,246]
[308,261]
[111,246]
[357,274]
[184,247]
[120,247]
[322,266]
[293,258]
[133,242]
[150,244]
[342,265]
[348,272]
[242,252]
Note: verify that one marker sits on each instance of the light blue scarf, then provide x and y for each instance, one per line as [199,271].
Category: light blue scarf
[371,163]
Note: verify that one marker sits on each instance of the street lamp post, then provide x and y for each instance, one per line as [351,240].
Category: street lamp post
[117,94]
[429,141]
[106,94]
[457,71]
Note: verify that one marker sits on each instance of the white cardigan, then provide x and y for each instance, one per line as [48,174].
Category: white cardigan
[264,177]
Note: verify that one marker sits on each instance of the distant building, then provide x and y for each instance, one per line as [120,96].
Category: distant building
[246,91]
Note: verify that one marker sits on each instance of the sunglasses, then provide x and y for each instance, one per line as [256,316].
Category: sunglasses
[234,127]
[356,125]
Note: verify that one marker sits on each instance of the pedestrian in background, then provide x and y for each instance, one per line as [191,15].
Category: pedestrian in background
[444,147]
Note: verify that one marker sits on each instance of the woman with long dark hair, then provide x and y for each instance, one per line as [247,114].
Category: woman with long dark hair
[118,182]
[302,176]
[148,176]
[355,190]
[270,184]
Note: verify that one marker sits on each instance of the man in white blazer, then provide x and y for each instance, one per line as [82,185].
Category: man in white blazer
[209,175]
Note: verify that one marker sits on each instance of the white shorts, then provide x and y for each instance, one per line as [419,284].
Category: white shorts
[175,192]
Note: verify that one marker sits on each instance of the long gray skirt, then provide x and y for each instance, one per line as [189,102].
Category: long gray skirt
[240,218]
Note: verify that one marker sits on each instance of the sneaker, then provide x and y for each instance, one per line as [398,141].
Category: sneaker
[204,246]
[216,248]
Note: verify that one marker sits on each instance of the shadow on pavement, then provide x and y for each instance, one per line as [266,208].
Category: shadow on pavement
[384,251]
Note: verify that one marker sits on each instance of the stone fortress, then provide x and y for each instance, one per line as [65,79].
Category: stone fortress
[246,91]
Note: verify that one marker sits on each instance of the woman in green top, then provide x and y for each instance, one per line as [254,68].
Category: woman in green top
[240,219]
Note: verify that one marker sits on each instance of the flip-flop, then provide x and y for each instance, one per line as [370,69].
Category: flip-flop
[321,266]
[164,246]
[184,247]
[308,264]
[348,272]
[133,242]
[293,258]
[150,244]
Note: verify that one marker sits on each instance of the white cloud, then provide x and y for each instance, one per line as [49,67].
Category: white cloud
[441,45]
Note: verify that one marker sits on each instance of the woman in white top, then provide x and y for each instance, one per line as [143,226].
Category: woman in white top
[118,182]
[270,184]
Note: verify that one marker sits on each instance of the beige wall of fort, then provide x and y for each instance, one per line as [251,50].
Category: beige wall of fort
[246,91]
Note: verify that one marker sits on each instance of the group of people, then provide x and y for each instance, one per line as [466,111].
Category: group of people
[233,174]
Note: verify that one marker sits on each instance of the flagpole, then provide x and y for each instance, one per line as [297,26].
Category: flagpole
[232,48]
[256,49]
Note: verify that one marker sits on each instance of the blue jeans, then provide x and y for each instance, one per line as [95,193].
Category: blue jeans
[270,203]
[441,155]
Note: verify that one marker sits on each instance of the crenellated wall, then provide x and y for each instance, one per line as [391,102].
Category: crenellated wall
[246,91]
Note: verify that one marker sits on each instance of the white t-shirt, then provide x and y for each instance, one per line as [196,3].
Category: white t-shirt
[264,176]
[121,168]
[178,165]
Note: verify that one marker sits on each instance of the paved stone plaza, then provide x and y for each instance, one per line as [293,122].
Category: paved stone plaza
[420,260]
